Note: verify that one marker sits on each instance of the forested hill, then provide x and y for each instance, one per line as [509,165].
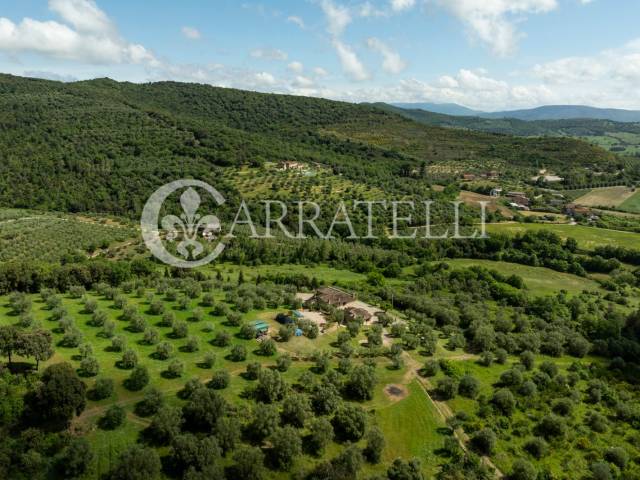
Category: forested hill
[103,146]
[623,137]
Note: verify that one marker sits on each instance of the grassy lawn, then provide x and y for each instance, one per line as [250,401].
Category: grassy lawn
[410,435]
[539,281]
[587,237]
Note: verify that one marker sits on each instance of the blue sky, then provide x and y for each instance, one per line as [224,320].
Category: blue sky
[487,54]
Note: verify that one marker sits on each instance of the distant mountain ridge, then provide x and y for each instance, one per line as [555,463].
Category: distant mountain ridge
[547,112]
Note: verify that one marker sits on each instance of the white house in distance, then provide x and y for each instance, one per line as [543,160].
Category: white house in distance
[291,165]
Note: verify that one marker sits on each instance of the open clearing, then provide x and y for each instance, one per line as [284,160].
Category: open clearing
[540,281]
[587,237]
[605,197]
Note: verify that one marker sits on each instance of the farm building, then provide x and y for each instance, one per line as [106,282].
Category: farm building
[292,166]
[262,328]
[331,296]
[297,315]
[572,209]
[354,313]
[519,198]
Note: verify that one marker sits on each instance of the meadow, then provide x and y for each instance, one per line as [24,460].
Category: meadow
[539,280]
[587,237]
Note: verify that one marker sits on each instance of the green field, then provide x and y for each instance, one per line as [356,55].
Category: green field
[539,281]
[587,237]
[631,204]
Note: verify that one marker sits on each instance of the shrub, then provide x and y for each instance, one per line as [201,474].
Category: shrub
[536,447]
[89,367]
[113,417]
[129,359]
[193,345]
[103,388]
[222,339]
[552,426]
[267,347]
[238,353]
[469,386]
[349,423]
[504,401]
[431,368]
[287,445]
[150,404]
[180,329]
[164,351]
[175,369]
[447,388]
[523,470]
[118,343]
[138,379]
[283,362]
[220,380]
[484,441]
[618,456]
[253,370]
[209,360]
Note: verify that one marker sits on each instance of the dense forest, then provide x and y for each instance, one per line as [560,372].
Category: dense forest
[103,146]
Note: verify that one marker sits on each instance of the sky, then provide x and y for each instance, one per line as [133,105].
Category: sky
[484,54]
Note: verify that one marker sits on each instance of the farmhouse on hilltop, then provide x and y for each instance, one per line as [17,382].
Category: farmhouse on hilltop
[330,296]
[289,165]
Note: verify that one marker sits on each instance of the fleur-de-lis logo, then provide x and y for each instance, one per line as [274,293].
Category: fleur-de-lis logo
[190,229]
[190,225]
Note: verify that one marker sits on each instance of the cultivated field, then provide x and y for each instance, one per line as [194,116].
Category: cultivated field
[605,197]
[26,235]
[409,422]
[631,204]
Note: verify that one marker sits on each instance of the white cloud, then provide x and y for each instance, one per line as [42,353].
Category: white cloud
[400,5]
[392,62]
[191,33]
[616,65]
[49,76]
[303,82]
[350,62]
[296,20]
[337,16]
[265,78]
[296,67]
[93,38]
[320,72]
[269,54]
[367,9]
[492,21]
[84,15]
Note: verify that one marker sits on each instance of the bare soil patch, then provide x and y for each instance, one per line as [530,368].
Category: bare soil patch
[396,392]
